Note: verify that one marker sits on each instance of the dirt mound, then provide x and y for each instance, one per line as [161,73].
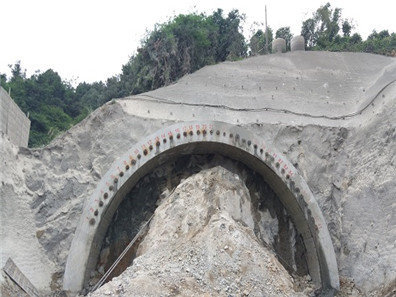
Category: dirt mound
[202,242]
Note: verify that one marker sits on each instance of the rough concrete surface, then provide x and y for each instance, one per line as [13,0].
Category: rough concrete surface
[331,114]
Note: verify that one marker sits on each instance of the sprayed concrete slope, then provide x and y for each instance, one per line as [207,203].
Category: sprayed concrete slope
[322,88]
[332,115]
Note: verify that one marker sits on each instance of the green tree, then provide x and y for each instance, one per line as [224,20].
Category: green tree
[180,46]
[50,102]
[323,27]
[257,43]
[381,35]
[380,43]
[346,28]
[308,31]
[355,39]
[230,43]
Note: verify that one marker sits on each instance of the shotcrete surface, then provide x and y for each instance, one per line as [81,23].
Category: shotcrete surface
[348,161]
[293,88]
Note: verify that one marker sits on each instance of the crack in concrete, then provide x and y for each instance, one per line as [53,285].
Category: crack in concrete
[286,111]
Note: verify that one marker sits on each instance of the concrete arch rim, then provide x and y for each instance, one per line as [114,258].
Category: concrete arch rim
[187,138]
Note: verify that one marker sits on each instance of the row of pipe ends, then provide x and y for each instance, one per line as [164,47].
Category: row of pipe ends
[297,43]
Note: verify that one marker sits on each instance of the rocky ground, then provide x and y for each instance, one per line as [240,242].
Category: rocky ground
[212,250]
[202,242]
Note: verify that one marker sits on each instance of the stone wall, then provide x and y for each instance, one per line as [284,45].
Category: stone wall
[13,122]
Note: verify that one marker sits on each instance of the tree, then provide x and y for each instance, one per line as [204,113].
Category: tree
[355,38]
[270,34]
[346,28]
[309,33]
[328,22]
[230,41]
[381,35]
[3,80]
[16,71]
[257,43]
[323,27]
[50,101]
[284,32]
[380,43]
[180,46]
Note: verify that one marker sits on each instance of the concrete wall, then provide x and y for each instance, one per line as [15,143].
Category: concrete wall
[13,122]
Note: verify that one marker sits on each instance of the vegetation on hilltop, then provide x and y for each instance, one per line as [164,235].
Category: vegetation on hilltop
[50,102]
[173,49]
[180,46]
[322,32]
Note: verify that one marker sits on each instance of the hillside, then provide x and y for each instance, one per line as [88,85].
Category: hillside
[343,149]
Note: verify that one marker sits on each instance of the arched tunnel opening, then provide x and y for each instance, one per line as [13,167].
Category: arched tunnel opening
[273,226]
[183,140]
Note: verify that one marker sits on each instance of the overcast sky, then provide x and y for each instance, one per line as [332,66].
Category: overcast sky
[89,40]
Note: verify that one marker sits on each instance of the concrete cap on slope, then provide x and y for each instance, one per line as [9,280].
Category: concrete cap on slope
[297,43]
[279,45]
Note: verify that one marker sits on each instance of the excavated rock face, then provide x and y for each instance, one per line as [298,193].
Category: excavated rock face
[268,217]
[202,242]
[349,164]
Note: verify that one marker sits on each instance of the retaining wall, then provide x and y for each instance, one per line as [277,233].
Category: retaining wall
[13,122]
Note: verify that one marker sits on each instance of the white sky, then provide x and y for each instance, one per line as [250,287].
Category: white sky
[89,40]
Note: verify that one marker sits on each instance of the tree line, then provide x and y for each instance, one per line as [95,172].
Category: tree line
[180,46]
[326,30]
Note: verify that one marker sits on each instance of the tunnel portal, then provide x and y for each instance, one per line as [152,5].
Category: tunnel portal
[188,138]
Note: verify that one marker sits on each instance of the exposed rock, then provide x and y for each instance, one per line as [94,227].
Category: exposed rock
[271,226]
[202,242]
[348,164]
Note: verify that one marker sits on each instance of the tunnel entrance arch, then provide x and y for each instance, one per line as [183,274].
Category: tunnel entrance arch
[195,138]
